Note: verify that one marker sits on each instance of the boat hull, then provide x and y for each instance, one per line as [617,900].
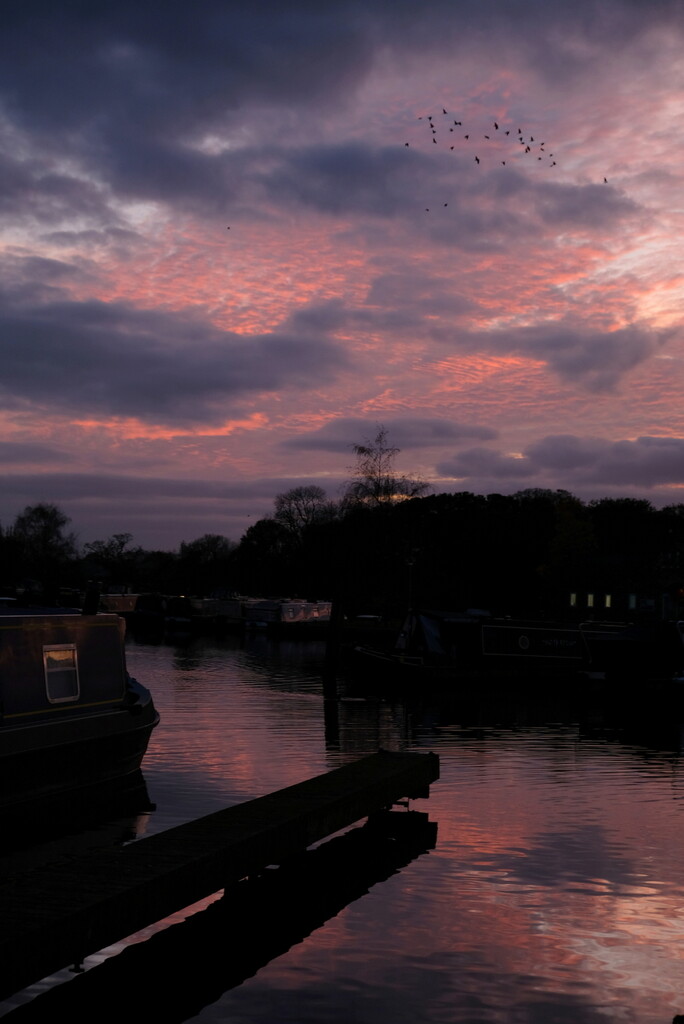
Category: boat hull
[72,755]
[72,718]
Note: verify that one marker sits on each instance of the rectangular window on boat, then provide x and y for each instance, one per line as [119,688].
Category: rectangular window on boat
[608,601]
[61,672]
[590,600]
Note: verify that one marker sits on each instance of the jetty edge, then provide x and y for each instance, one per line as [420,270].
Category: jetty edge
[61,913]
[187,965]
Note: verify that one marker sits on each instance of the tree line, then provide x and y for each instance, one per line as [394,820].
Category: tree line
[387,544]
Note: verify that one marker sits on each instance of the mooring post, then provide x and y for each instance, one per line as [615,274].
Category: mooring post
[332,649]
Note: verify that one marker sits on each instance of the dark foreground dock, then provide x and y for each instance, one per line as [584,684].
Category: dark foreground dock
[62,913]
[177,971]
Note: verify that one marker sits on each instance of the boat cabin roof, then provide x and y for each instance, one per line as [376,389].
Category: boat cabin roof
[27,611]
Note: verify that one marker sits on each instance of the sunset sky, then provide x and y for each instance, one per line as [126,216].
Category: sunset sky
[222,264]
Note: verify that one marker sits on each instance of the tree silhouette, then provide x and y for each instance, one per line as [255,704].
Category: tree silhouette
[375,482]
[41,547]
[204,564]
[302,507]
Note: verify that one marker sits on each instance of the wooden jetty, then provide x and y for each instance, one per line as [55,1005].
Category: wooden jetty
[63,912]
[182,968]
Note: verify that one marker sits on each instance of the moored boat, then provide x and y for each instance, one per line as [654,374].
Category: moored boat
[446,646]
[287,617]
[71,715]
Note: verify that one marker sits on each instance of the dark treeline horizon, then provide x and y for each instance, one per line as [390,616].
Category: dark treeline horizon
[535,552]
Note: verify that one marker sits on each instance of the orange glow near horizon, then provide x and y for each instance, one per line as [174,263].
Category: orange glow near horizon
[134,429]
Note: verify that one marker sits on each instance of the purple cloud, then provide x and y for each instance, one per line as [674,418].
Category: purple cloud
[645,462]
[114,359]
[595,358]
[574,462]
[486,463]
[402,432]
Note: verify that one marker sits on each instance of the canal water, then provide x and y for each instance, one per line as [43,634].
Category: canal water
[555,889]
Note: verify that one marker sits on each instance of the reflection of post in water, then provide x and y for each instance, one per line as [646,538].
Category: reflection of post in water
[331,722]
[332,647]
[360,724]
[175,973]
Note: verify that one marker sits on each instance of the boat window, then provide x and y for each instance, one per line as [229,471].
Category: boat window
[61,672]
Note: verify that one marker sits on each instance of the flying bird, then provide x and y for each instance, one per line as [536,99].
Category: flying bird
[526,141]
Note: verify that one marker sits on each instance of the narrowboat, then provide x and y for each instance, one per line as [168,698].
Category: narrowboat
[287,617]
[447,646]
[71,716]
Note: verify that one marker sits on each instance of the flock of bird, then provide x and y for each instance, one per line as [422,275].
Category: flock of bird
[452,130]
[444,126]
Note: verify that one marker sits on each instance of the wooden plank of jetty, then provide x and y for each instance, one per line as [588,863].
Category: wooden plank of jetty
[186,966]
[61,913]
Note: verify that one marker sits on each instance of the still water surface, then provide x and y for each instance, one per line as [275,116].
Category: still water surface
[555,891]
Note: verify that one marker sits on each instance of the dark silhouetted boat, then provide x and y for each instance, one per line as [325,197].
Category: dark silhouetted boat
[445,646]
[71,715]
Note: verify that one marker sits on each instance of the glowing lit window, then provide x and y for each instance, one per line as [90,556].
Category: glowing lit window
[573,600]
[61,672]
[590,600]
[608,601]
